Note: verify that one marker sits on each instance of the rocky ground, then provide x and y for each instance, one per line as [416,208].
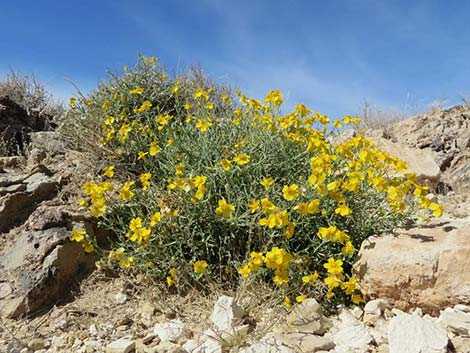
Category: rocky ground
[416,280]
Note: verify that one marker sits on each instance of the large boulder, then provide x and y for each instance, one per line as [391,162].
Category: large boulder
[445,134]
[426,266]
[39,270]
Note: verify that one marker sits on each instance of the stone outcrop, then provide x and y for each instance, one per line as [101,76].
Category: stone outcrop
[38,261]
[427,266]
[20,194]
[445,134]
[16,124]
[38,268]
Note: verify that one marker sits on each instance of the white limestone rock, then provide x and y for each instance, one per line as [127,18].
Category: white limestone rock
[416,334]
[122,345]
[227,314]
[170,331]
[456,321]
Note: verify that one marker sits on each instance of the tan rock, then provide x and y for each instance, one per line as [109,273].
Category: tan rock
[426,267]
[40,268]
[419,161]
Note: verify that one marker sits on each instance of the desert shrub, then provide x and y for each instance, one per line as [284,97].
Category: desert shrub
[200,184]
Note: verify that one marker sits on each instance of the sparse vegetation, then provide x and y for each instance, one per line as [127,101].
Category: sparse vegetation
[374,117]
[30,94]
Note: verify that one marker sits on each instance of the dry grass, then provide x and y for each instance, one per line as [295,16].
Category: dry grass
[375,118]
[30,94]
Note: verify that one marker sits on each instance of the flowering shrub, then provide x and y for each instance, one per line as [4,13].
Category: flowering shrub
[200,183]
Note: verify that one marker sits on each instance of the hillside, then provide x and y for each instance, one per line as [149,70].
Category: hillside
[54,299]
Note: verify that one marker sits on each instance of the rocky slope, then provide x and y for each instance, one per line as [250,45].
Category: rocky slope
[416,281]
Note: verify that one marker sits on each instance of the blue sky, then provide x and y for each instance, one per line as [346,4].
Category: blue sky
[331,55]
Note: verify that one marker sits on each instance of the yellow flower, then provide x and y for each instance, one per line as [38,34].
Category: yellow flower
[170,281]
[169,142]
[301,208]
[287,302]
[274,97]
[310,279]
[156,218]
[203,124]
[225,209]
[347,119]
[267,182]
[302,110]
[141,155]
[179,168]
[123,132]
[332,281]
[244,271]
[78,235]
[239,144]
[154,149]
[289,232]
[277,259]
[125,192]
[135,223]
[337,124]
[280,279]
[137,90]
[343,210]
[109,171]
[127,262]
[290,192]
[139,235]
[187,106]
[421,190]
[313,206]
[98,209]
[267,206]
[334,267]
[350,286]
[348,249]
[175,89]
[145,180]
[254,205]
[199,195]
[242,159]
[333,186]
[162,120]
[256,260]
[226,164]
[144,107]
[88,247]
[437,210]
[200,266]
[83,203]
[200,93]
[72,101]
[105,105]
[300,298]
[357,299]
